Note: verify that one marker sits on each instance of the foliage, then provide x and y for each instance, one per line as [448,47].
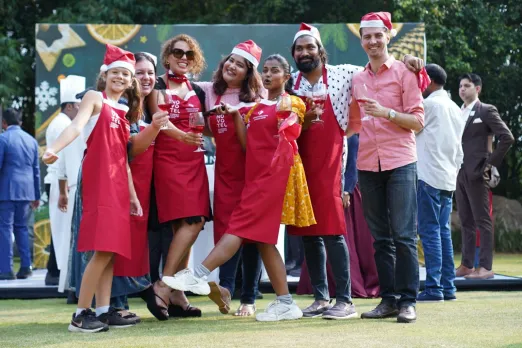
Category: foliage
[462,36]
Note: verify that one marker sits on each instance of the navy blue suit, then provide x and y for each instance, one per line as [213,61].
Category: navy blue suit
[19,186]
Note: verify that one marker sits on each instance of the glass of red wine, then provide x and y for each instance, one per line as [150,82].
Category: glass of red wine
[197,124]
[319,94]
[360,92]
[165,102]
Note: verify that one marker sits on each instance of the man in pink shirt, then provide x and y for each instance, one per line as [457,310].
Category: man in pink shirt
[387,113]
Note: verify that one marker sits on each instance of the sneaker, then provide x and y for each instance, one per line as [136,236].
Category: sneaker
[87,322]
[186,281]
[450,297]
[316,309]
[383,310]
[278,310]
[425,297]
[115,320]
[341,310]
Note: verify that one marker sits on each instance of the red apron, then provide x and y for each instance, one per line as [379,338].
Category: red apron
[180,175]
[321,149]
[105,224]
[229,176]
[141,169]
[258,215]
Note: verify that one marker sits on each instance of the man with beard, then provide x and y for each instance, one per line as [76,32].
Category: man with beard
[323,149]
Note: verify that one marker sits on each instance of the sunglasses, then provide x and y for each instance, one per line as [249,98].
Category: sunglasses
[179,53]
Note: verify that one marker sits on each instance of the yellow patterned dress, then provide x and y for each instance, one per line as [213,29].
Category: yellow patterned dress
[297,207]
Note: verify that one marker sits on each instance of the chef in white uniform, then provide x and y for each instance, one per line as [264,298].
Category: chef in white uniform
[65,169]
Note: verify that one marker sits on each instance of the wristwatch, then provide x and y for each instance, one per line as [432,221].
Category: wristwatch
[391,114]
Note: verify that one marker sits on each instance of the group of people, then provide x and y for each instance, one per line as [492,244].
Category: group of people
[281,147]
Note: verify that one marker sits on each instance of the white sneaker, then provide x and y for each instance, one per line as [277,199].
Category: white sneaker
[186,281]
[277,311]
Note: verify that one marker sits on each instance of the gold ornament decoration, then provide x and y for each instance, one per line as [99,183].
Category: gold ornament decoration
[50,54]
[411,43]
[42,241]
[114,34]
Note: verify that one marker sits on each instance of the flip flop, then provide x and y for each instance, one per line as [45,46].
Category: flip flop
[220,296]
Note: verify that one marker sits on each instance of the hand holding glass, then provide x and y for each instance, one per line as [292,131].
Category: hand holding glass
[319,95]
[197,124]
[164,102]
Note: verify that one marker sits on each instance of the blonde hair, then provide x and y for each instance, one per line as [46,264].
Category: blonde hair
[199,60]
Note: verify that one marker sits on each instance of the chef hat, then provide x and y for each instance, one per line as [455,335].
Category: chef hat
[250,51]
[307,29]
[378,20]
[69,87]
[115,57]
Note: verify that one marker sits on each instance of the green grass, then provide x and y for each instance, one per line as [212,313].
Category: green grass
[477,319]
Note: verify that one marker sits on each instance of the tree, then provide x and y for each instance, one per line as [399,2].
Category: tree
[482,37]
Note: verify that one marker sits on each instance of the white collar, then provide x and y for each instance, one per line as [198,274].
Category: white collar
[470,105]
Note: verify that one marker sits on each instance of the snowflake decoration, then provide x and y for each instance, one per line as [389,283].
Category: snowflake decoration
[45,96]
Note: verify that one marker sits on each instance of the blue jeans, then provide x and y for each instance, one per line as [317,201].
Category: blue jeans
[389,201]
[435,234]
[316,249]
[13,219]
[251,262]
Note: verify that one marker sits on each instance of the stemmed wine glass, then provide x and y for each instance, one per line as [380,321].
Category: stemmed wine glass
[360,93]
[197,124]
[165,102]
[283,109]
[319,95]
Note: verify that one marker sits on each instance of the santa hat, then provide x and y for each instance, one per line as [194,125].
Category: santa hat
[378,20]
[69,87]
[151,56]
[250,51]
[115,57]
[307,29]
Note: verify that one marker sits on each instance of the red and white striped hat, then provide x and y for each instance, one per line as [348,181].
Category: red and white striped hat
[307,29]
[250,51]
[378,20]
[115,57]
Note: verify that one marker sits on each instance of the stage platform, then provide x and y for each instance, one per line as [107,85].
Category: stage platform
[35,288]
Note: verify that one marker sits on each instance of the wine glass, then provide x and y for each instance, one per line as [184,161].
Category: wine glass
[197,124]
[165,102]
[319,95]
[283,109]
[360,93]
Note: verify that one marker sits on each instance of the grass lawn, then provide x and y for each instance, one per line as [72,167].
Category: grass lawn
[477,319]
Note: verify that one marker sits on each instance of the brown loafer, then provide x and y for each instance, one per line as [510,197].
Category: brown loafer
[220,296]
[463,271]
[407,315]
[480,273]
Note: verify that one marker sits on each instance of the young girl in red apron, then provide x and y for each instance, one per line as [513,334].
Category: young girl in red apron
[259,213]
[106,186]
[180,177]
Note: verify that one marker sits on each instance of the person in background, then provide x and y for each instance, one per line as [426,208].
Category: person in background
[19,192]
[472,195]
[56,182]
[439,152]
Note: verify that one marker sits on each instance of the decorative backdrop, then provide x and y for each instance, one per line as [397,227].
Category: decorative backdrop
[78,49]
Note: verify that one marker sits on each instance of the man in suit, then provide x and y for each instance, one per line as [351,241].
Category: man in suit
[482,123]
[19,190]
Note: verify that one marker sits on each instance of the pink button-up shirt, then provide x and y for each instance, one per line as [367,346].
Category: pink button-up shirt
[380,140]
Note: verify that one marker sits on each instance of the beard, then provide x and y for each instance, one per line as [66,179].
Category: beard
[307,67]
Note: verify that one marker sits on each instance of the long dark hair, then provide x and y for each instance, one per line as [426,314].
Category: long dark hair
[286,69]
[250,87]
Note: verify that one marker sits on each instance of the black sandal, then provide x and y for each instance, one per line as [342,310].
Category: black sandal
[176,311]
[149,296]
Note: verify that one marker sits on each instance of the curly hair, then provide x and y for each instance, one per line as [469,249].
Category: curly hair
[199,60]
[250,87]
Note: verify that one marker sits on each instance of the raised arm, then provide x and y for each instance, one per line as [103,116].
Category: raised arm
[90,102]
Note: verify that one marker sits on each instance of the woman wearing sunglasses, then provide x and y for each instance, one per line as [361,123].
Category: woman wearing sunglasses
[235,82]
[180,177]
